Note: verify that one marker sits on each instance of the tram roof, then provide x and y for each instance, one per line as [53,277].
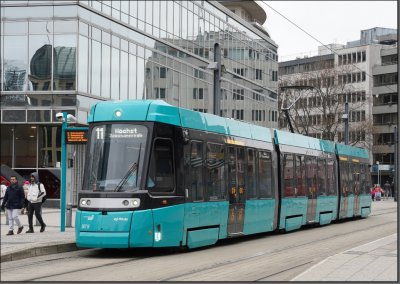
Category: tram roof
[160,111]
[302,141]
[342,149]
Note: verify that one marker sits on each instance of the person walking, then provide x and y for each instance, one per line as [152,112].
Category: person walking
[13,200]
[36,192]
[386,188]
[378,192]
[3,188]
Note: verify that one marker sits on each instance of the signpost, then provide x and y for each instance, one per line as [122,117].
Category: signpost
[72,135]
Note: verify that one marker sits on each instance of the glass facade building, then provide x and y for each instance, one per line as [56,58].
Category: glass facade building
[67,55]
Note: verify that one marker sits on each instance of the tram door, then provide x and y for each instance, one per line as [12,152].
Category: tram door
[237,193]
[356,189]
[344,190]
[311,168]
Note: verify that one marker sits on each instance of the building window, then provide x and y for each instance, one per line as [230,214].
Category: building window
[163,72]
[238,114]
[258,74]
[199,74]
[238,94]
[160,93]
[385,79]
[240,71]
[198,93]
[364,56]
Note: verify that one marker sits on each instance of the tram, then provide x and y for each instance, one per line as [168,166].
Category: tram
[161,176]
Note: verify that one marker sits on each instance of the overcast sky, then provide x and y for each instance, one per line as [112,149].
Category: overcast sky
[328,21]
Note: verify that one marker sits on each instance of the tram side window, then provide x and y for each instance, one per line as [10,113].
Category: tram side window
[331,178]
[265,181]
[311,168]
[356,179]
[251,175]
[321,185]
[344,169]
[363,184]
[196,170]
[300,176]
[241,166]
[215,171]
[350,182]
[288,175]
[368,184]
[161,171]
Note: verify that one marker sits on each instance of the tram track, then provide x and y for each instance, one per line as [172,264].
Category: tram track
[216,265]
[271,252]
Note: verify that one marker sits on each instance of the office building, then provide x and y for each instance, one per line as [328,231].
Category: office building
[64,56]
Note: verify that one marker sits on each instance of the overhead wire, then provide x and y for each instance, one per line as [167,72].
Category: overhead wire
[313,37]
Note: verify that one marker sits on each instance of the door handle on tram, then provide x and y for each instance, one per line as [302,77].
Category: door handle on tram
[186,193]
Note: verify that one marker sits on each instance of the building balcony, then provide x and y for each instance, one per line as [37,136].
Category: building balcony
[384,128]
[388,108]
[384,89]
[379,69]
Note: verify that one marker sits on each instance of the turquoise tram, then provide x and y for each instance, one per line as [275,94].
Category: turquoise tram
[162,176]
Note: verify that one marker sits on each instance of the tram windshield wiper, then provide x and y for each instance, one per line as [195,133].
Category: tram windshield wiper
[133,169]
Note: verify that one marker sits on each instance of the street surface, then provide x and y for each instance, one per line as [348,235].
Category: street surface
[265,257]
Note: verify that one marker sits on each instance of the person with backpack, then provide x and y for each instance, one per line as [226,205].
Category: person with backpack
[13,200]
[36,195]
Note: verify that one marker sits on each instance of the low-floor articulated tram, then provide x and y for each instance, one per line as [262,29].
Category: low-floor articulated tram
[161,176]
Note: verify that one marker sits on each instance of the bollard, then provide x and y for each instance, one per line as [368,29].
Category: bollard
[69,215]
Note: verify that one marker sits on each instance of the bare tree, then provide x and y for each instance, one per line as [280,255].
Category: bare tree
[320,95]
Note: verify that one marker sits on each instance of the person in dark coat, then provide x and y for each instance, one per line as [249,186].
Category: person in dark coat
[386,188]
[13,200]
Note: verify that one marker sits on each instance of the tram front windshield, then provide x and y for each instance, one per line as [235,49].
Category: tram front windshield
[115,159]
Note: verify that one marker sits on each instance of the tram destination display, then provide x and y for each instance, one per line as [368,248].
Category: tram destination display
[76,136]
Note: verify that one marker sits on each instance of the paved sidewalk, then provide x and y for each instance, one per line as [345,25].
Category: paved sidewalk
[19,246]
[374,261]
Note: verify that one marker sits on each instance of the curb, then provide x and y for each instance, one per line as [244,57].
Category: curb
[39,251]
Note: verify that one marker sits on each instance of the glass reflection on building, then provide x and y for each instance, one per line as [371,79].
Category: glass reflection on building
[68,55]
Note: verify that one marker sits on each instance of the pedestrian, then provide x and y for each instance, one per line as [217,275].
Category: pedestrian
[378,192]
[386,188]
[13,200]
[36,192]
[3,188]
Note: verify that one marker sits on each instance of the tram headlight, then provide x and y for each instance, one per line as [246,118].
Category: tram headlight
[135,202]
[88,202]
[125,202]
[83,202]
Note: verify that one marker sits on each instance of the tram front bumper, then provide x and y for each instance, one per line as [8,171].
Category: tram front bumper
[99,230]
[102,240]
